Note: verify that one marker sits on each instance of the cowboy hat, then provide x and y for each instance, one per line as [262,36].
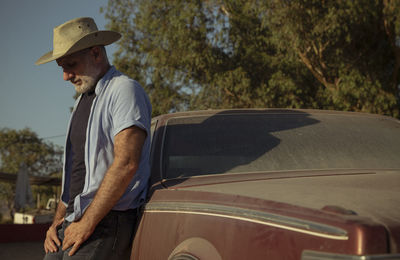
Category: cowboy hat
[76,35]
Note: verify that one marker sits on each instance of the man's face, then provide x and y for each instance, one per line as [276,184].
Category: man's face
[80,68]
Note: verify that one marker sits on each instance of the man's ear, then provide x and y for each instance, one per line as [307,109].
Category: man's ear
[96,52]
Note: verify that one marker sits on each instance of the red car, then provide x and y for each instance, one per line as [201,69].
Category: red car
[272,184]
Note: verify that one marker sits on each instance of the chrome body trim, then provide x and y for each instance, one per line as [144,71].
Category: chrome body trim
[249,215]
[315,255]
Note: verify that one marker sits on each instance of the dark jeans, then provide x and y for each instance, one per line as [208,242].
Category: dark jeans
[112,238]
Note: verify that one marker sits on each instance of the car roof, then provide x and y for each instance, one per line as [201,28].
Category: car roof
[211,112]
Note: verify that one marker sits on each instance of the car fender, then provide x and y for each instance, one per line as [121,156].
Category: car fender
[195,248]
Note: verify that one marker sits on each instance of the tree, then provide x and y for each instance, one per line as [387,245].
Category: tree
[236,53]
[349,47]
[19,147]
[391,22]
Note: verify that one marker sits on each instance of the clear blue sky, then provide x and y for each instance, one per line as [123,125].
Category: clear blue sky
[36,96]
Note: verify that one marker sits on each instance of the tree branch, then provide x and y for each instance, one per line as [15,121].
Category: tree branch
[332,87]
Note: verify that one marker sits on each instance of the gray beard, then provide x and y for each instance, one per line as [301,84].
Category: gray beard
[88,82]
[85,87]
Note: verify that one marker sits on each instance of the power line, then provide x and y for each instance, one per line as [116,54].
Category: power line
[54,136]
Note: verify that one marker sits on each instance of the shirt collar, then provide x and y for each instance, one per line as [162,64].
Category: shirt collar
[103,82]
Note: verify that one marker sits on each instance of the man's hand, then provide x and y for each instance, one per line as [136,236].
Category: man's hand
[52,241]
[75,234]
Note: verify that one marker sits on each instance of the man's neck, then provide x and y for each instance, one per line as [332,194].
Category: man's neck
[104,70]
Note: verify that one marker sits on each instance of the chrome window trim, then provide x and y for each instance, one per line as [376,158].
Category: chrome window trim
[162,175]
[315,255]
[249,215]
[153,128]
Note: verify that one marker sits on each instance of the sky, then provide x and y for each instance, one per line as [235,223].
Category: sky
[31,96]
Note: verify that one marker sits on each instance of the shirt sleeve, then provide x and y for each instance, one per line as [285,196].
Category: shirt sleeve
[130,107]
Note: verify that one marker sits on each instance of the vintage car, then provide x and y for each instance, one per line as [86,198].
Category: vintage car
[272,184]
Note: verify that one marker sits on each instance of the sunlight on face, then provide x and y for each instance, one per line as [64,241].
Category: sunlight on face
[80,70]
[87,82]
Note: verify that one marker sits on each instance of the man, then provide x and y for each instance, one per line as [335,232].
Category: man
[106,161]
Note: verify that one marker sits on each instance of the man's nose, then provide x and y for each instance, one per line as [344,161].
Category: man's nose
[67,75]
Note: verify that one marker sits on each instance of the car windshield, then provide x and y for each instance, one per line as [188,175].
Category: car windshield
[274,141]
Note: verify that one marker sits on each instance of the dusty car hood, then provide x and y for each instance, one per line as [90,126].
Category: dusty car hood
[371,194]
[375,194]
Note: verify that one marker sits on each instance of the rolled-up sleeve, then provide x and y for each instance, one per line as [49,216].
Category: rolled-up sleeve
[130,107]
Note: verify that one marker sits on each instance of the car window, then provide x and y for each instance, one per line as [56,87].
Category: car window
[236,143]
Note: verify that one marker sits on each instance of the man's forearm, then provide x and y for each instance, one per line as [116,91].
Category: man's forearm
[111,190]
[60,213]
[113,186]
[128,148]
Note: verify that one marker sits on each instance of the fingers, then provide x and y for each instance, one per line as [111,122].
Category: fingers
[57,241]
[67,244]
[68,238]
[49,246]
[71,239]
[52,241]
[74,249]
[74,235]
[75,244]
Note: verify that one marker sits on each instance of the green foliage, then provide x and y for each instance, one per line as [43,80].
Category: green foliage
[346,47]
[25,147]
[7,193]
[240,54]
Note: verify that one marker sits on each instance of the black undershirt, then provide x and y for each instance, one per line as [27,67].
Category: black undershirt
[77,138]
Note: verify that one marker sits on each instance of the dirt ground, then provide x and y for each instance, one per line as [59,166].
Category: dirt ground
[21,251]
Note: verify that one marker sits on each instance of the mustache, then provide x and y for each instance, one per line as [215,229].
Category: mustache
[74,80]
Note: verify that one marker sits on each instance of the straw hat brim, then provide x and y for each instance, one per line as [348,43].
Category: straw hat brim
[89,40]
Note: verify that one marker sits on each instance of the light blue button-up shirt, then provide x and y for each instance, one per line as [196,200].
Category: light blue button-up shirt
[120,103]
